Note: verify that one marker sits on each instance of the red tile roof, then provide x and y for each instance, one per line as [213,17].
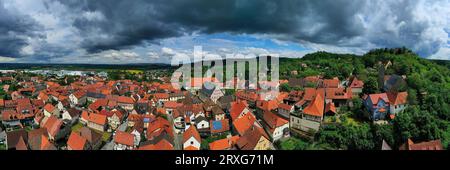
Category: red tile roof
[273,120]
[330,83]
[267,105]
[79,94]
[330,107]
[97,118]
[357,83]
[430,145]
[398,98]
[316,107]
[49,107]
[124,138]
[236,108]
[191,132]
[244,123]
[76,142]
[125,99]
[223,144]
[375,98]
[161,145]
[53,125]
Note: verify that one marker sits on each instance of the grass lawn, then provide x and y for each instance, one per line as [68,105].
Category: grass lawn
[77,127]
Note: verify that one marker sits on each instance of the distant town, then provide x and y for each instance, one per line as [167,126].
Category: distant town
[141,110]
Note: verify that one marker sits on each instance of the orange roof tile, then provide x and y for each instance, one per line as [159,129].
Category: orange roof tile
[223,144]
[191,132]
[244,123]
[49,107]
[76,142]
[97,118]
[315,108]
[124,138]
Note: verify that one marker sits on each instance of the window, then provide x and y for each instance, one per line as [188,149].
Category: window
[192,142]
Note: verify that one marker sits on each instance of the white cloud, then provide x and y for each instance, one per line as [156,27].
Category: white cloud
[6,59]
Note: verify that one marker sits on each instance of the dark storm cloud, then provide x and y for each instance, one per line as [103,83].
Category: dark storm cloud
[15,29]
[131,22]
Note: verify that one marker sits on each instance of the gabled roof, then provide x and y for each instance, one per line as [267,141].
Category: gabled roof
[375,98]
[316,107]
[357,83]
[124,138]
[14,136]
[125,99]
[97,118]
[76,142]
[398,98]
[49,107]
[236,108]
[244,123]
[53,125]
[330,108]
[251,137]
[429,145]
[330,83]
[21,145]
[273,120]
[160,145]
[223,144]
[34,138]
[90,135]
[191,132]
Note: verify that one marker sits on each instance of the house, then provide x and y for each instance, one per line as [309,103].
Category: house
[53,126]
[94,139]
[339,96]
[429,145]
[202,124]
[123,141]
[76,142]
[217,113]
[38,140]
[211,91]
[356,86]
[285,110]
[50,110]
[71,114]
[276,126]
[125,102]
[159,130]
[398,102]
[78,98]
[308,120]
[115,119]
[330,83]
[93,96]
[378,106]
[97,122]
[191,139]
[239,109]
[242,124]
[160,145]
[254,139]
[219,126]
[224,144]
[225,101]
[13,137]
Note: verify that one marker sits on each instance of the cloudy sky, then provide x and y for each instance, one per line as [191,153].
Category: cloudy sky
[139,31]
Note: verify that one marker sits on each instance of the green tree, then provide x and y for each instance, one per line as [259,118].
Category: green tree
[370,86]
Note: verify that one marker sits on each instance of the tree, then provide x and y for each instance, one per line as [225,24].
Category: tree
[370,86]
[419,125]
[285,87]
